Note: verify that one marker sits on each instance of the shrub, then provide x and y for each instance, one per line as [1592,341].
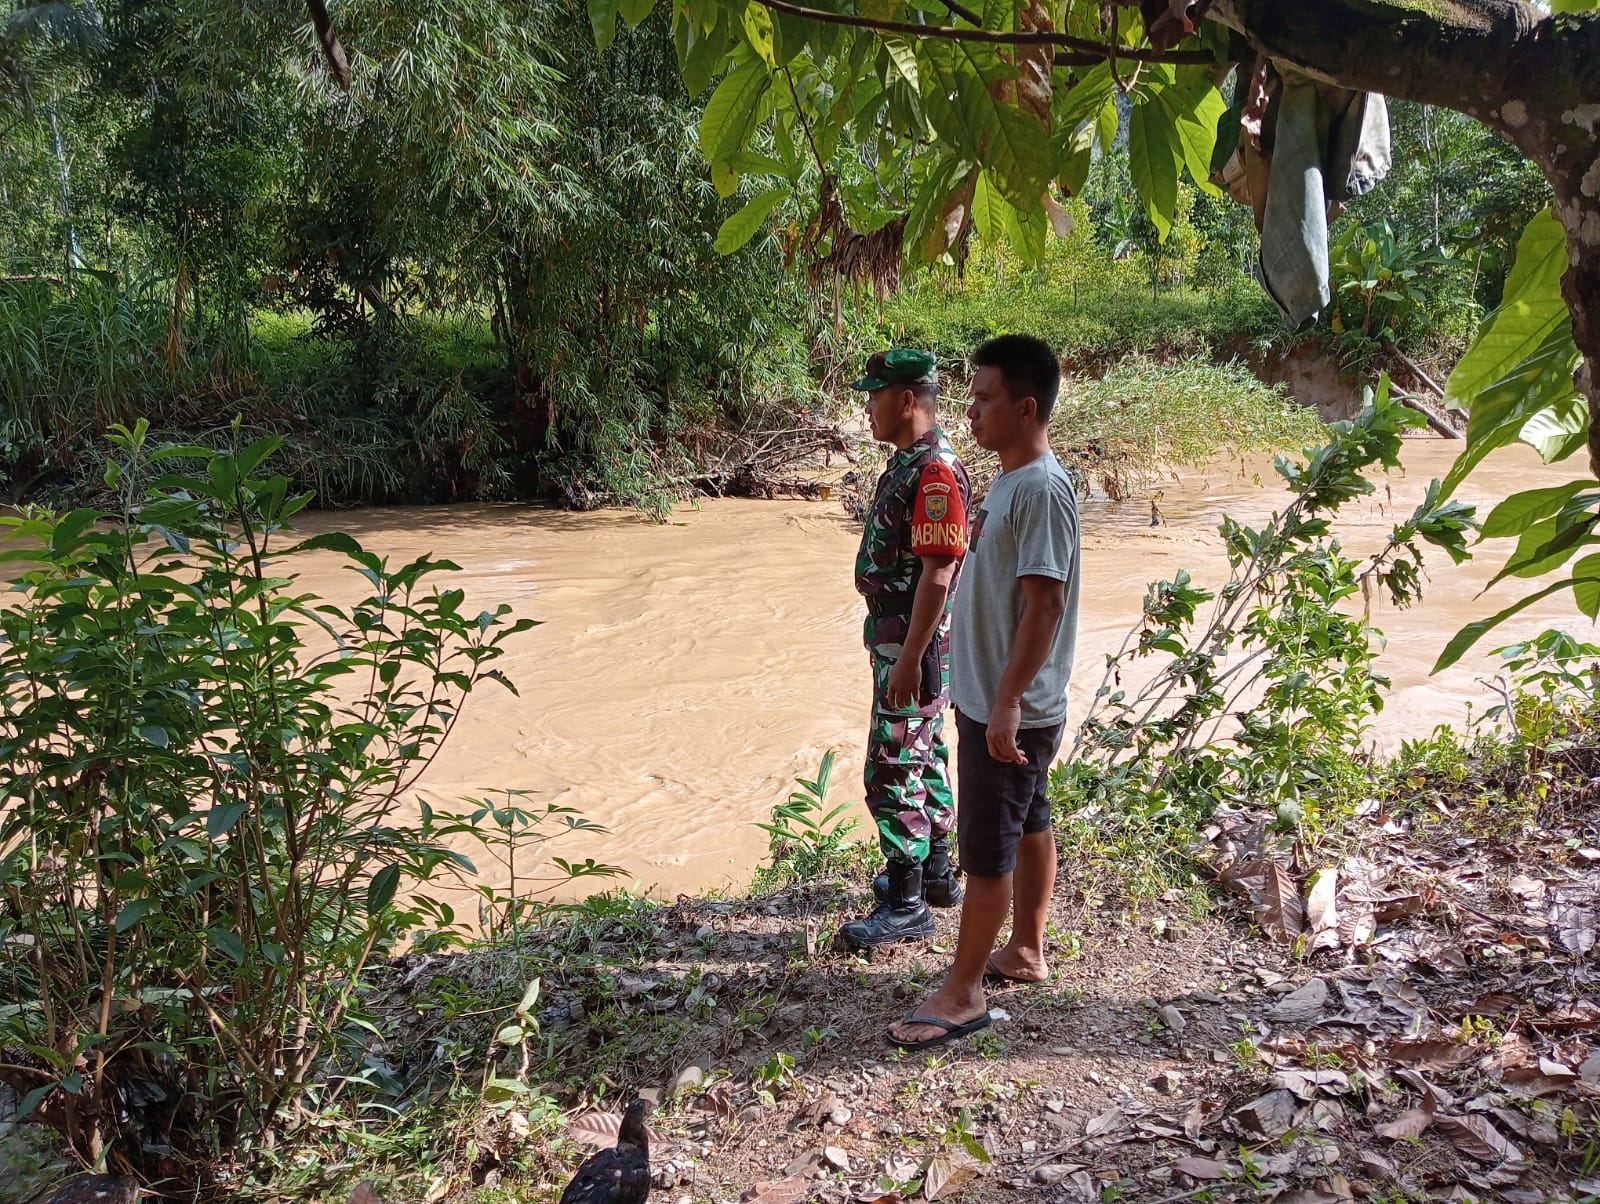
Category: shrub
[202,771]
[1262,688]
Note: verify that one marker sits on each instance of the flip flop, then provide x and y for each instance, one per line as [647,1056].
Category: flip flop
[952,1030]
[990,970]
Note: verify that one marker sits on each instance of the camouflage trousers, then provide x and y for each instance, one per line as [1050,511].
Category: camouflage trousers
[907,774]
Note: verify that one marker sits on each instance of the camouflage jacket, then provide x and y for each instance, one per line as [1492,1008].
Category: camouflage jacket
[919,508]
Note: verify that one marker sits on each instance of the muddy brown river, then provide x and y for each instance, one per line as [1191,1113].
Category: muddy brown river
[684,675]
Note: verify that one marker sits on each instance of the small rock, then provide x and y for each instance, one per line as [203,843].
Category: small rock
[1167,1082]
[840,1115]
[1066,1051]
[1589,1072]
[690,1078]
[1054,1105]
[1279,988]
[810,1161]
[1030,1147]
[1049,1176]
[1173,1018]
[1302,1006]
[837,1159]
[1206,997]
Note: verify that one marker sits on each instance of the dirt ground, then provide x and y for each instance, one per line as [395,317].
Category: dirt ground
[1414,1018]
[1410,1013]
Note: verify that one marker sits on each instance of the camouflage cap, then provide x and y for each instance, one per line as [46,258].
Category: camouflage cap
[902,366]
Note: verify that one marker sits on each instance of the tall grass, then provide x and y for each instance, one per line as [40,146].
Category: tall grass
[75,361]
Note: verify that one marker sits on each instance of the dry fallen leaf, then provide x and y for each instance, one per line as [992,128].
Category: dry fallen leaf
[1204,1168]
[1526,1127]
[1430,1055]
[779,1191]
[1476,1137]
[365,1193]
[1322,909]
[1108,1121]
[1308,1083]
[1280,912]
[1575,927]
[947,1174]
[595,1128]
[1407,1124]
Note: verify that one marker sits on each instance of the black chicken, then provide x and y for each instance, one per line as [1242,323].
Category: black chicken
[620,1175]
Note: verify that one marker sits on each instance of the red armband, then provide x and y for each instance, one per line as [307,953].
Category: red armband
[938,514]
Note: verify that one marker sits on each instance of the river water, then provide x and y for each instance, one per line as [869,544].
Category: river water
[684,675]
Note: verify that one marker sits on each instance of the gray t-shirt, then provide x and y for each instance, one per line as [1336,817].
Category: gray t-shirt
[1027,527]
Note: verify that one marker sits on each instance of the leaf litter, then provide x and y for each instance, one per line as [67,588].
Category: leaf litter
[1416,1017]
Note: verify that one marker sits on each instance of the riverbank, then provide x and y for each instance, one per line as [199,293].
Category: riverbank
[1427,1029]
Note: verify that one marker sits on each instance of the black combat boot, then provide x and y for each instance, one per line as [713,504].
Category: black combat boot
[941,886]
[901,916]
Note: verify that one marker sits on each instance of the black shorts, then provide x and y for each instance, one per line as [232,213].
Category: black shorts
[999,802]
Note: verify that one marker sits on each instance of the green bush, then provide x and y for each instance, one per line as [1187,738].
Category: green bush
[1092,307]
[1263,688]
[202,774]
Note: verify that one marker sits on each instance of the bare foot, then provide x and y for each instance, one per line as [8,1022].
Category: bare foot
[1023,965]
[955,1006]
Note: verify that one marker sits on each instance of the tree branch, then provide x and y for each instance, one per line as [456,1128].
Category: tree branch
[1454,53]
[1082,52]
[966,14]
[331,50]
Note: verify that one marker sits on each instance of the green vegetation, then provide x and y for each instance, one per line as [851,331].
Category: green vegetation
[496,265]
[487,271]
[203,777]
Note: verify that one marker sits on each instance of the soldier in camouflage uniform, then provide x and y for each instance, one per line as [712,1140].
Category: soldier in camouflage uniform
[916,533]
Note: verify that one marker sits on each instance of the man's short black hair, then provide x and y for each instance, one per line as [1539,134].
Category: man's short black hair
[1027,365]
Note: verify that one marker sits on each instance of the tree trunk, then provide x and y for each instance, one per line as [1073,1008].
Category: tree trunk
[74,259]
[1533,77]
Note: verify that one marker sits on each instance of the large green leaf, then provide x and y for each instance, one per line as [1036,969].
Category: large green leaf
[988,211]
[1521,510]
[903,58]
[1546,546]
[1073,154]
[1153,161]
[1084,100]
[1500,411]
[962,108]
[603,20]
[634,11]
[1586,585]
[1559,430]
[743,225]
[1475,631]
[757,23]
[700,52]
[1196,122]
[733,110]
[1574,6]
[1532,309]
[940,207]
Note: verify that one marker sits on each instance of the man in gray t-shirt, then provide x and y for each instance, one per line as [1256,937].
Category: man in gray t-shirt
[1013,630]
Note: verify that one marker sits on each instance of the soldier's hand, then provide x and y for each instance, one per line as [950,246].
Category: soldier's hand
[905,681]
[1004,720]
